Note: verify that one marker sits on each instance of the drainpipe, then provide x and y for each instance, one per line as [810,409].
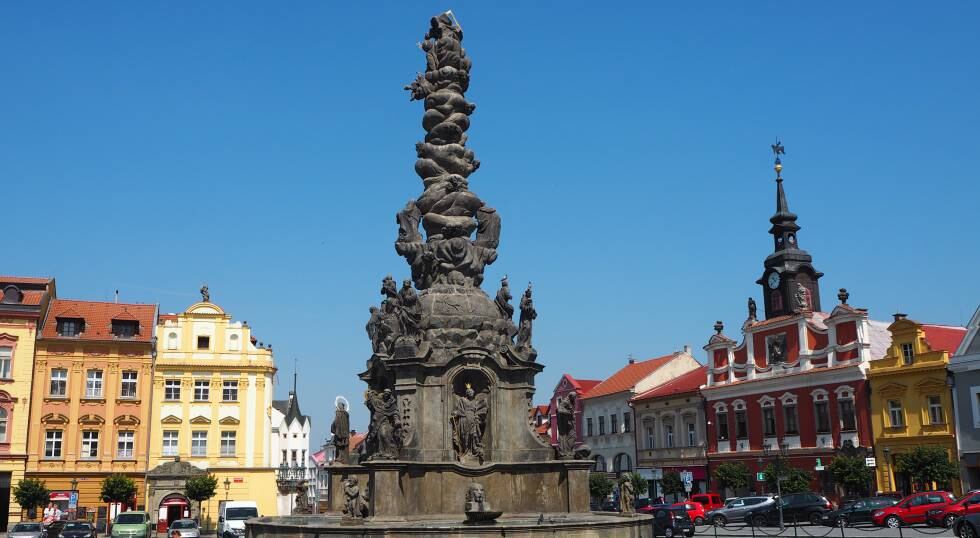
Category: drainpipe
[149,421]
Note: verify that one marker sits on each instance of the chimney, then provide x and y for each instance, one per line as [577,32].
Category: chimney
[631,359]
[687,348]
[899,316]
[117,296]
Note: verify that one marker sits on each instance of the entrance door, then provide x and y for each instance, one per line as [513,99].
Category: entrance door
[4,500]
[173,507]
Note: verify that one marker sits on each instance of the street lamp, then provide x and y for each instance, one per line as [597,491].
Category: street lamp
[227,487]
[777,454]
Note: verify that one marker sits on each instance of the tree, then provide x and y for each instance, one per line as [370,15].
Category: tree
[671,483]
[927,464]
[851,473]
[639,483]
[200,488]
[118,488]
[794,480]
[733,475]
[600,486]
[31,493]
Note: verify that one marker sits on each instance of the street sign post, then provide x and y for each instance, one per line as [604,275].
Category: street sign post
[870,462]
[760,477]
[687,477]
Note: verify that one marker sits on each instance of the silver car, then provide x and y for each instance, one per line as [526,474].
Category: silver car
[186,527]
[26,529]
[736,508]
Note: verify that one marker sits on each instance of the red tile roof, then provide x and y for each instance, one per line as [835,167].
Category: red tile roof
[166,317]
[688,382]
[98,318]
[32,297]
[585,385]
[543,409]
[24,280]
[944,337]
[627,377]
[355,441]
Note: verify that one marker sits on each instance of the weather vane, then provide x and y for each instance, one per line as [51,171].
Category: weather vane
[777,150]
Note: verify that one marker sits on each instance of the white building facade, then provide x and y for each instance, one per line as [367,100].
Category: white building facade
[291,455]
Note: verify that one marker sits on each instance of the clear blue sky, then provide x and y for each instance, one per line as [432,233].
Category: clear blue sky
[265,148]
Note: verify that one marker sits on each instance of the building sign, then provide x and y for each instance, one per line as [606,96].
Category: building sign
[760,477]
[870,462]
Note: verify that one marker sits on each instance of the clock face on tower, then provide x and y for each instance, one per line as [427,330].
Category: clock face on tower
[773,280]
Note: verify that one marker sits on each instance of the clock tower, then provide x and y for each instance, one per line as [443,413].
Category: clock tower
[789,281]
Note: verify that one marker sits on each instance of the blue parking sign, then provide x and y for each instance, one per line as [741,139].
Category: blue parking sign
[73,500]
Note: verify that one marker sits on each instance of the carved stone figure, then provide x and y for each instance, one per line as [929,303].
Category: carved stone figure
[503,299]
[528,314]
[341,430]
[776,344]
[477,508]
[373,328]
[627,499]
[568,447]
[355,501]
[802,296]
[410,312]
[205,294]
[469,418]
[302,503]
[384,432]
[408,223]
[752,309]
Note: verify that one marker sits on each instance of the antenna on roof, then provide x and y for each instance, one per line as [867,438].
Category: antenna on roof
[295,361]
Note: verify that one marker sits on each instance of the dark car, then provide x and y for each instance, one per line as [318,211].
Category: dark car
[797,508]
[610,506]
[671,522]
[54,528]
[967,526]
[78,529]
[856,511]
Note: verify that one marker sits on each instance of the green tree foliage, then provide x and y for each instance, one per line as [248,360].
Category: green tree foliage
[118,488]
[639,483]
[795,480]
[671,483]
[600,486]
[927,464]
[733,475]
[851,473]
[31,493]
[200,488]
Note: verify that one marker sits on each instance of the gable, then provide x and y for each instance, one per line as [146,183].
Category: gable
[171,419]
[892,389]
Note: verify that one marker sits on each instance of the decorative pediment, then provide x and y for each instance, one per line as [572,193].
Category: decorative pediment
[91,420]
[8,337]
[5,397]
[767,401]
[892,389]
[788,398]
[54,418]
[200,420]
[126,420]
[171,419]
[227,421]
[931,384]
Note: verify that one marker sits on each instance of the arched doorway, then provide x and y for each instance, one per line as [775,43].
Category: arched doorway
[172,507]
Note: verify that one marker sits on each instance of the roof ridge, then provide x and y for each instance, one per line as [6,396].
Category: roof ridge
[63,300]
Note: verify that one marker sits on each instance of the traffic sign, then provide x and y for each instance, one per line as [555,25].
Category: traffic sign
[73,500]
[760,477]
[687,477]
[870,462]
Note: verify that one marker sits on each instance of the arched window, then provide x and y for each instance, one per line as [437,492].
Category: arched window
[3,425]
[600,464]
[172,341]
[233,344]
[622,463]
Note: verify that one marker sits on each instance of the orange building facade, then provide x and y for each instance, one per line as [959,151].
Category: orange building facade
[91,401]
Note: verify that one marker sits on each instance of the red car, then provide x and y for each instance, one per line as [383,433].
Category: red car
[911,509]
[710,501]
[695,511]
[946,515]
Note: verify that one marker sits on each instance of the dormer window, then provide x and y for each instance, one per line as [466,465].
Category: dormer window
[122,328]
[70,326]
[12,295]
[908,353]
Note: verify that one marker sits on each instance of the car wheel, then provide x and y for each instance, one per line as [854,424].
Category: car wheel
[815,518]
[949,520]
[965,530]
[719,521]
[669,532]
[893,522]
[699,521]
[841,521]
[758,521]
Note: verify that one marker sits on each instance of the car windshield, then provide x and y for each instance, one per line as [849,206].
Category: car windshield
[77,527]
[679,511]
[241,513]
[130,519]
[26,527]
[183,524]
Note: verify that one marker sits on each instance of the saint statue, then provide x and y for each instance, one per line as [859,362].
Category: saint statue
[752,309]
[626,496]
[469,420]
[341,430]
[802,298]
[355,502]
[205,294]
[384,431]
[374,329]
[528,313]
[410,311]
[503,299]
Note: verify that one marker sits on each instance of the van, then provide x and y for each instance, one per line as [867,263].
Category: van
[232,516]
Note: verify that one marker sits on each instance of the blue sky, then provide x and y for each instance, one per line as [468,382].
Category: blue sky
[265,148]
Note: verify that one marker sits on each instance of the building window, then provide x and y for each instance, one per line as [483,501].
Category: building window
[93,384]
[823,416]
[668,435]
[613,426]
[227,443]
[125,328]
[627,423]
[769,421]
[70,326]
[199,443]
[908,354]
[602,425]
[203,342]
[895,413]
[6,356]
[90,445]
[125,445]
[128,388]
[651,444]
[172,341]
[283,455]
[691,437]
[848,421]
[52,444]
[588,426]
[722,419]
[789,414]
[936,410]
[229,391]
[59,382]
[293,457]
[233,343]
[4,420]
[171,389]
[170,447]
[202,390]
[741,425]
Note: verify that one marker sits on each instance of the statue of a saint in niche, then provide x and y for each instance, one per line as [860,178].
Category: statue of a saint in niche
[469,421]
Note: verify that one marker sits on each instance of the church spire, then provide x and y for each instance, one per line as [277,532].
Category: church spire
[784,225]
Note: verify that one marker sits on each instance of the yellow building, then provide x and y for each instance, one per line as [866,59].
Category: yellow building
[911,403]
[22,307]
[212,389]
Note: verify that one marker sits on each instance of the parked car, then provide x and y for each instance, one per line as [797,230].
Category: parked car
[796,507]
[53,529]
[695,511]
[232,516]
[78,529]
[945,515]
[186,527]
[967,526]
[609,506]
[670,522]
[26,529]
[911,509]
[735,509]
[856,511]
[710,501]
[132,524]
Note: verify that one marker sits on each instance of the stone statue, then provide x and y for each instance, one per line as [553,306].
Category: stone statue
[374,329]
[777,349]
[503,299]
[384,432]
[627,499]
[568,446]
[302,504]
[341,430]
[752,309]
[469,420]
[802,298]
[528,314]
[205,294]
[355,501]
[410,311]
[477,508]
